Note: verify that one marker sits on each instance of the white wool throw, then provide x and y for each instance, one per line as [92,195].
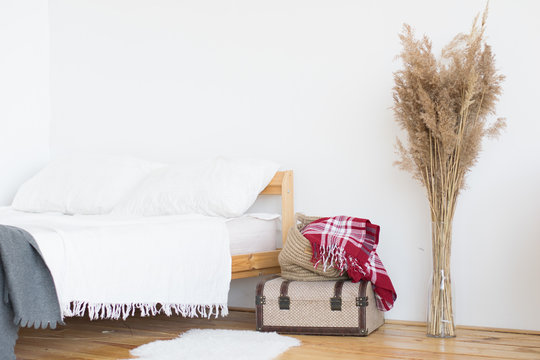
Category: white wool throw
[211,344]
[110,268]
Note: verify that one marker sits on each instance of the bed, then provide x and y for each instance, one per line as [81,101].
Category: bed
[112,279]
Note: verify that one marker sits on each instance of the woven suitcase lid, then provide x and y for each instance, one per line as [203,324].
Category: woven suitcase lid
[310,291]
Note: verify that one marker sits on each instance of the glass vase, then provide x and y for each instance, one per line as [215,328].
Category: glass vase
[440,314]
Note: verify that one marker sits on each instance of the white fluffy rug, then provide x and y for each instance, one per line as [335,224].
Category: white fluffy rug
[202,344]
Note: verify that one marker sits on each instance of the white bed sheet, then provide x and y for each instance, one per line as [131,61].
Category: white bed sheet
[249,233]
[254,233]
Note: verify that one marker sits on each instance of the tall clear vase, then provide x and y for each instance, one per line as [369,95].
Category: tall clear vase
[440,314]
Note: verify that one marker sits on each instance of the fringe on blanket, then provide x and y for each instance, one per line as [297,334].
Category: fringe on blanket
[336,257]
[117,311]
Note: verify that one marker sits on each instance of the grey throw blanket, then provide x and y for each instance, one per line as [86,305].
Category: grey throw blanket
[27,293]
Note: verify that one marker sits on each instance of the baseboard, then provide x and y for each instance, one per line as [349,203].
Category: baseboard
[423,324]
[467,327]
[241,309]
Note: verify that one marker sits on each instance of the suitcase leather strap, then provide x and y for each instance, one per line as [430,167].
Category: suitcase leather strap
[335,302]
[284,299]
[338,288]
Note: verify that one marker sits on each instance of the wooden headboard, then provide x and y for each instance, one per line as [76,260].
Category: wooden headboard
[282,184]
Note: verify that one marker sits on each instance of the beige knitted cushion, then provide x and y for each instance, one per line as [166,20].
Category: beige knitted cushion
[295,257]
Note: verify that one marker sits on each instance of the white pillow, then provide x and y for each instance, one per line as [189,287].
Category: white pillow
[222,187]
[82,185]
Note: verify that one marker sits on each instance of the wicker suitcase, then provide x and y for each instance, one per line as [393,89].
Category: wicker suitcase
[317,308]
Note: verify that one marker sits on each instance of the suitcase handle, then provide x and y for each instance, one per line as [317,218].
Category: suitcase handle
[284,300]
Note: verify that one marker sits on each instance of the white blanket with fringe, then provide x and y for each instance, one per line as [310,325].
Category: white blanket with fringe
[109,267]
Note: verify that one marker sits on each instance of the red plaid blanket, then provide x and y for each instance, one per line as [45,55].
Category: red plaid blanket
[350,245]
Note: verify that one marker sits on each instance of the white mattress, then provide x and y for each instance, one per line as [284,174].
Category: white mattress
[247,234]
[254,233]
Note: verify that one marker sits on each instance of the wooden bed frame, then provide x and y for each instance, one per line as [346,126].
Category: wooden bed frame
[262,263]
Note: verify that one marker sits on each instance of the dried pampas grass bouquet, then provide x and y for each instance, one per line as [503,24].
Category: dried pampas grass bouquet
[444,106]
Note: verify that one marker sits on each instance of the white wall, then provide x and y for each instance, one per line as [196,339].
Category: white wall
[308,83]
[24,92]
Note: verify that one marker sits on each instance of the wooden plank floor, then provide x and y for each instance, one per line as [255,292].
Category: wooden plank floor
[83,339]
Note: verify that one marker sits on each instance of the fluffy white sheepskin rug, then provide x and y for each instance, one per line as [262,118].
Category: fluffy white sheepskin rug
[211,344]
